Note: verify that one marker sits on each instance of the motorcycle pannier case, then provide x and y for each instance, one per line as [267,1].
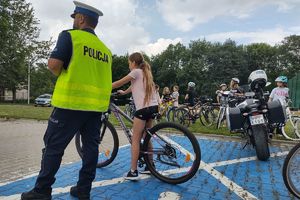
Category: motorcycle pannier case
[234,119]
[276,112]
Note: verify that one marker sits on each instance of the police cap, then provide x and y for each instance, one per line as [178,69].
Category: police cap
[86,10]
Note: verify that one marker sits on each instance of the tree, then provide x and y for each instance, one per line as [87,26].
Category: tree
[167,65]
[289,59]
[42,81]
[20,47]
[263,56]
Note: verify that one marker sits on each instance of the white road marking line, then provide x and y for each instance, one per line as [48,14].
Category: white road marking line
[169,196]
[238,190]
[36,173]
[60,190]
[239,160]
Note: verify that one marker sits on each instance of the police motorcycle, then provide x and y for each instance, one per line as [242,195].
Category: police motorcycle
[255,114]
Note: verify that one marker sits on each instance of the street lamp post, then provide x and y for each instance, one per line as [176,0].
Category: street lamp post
[28,86]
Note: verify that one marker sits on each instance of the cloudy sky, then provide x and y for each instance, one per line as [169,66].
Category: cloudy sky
[151,25]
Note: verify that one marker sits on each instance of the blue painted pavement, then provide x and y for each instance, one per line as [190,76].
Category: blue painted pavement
[219,177]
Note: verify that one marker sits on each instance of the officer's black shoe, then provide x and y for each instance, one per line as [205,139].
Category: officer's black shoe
[33,195]
[74,192]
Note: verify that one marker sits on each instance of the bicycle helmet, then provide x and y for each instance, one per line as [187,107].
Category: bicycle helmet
[236,80]
[282,79]
[191,84]
[223,84]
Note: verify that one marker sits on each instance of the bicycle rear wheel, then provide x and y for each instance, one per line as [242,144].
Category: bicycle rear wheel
[171,152]
[207,116]
[291,171]
[182,116]
[108,147]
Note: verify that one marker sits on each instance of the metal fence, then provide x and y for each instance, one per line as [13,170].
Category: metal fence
[294,86]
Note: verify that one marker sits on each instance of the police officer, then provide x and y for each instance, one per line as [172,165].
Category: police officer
[82,63]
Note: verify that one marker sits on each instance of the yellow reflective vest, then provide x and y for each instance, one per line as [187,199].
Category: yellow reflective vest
[87,83]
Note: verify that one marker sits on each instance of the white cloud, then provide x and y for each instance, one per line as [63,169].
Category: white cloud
[270,36]
[185,15]
[155,48]
[120,27]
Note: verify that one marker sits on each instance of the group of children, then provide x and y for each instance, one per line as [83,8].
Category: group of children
[146,98]
[281,92]
[168,96]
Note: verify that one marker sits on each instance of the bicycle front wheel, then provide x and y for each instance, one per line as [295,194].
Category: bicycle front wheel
[171,152]
[221,115]
[291,171]
[182,116]
[297,127]
[290,130]
[108,147]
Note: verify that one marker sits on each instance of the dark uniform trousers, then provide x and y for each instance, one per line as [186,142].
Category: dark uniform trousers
[62,126]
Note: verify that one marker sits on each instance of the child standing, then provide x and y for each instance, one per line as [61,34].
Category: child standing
[146,103]
[281,92]
[175,96]
[220,97]
[166,94]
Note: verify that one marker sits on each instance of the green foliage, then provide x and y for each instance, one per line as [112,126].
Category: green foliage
[20,47]
[210,64]
[42,81]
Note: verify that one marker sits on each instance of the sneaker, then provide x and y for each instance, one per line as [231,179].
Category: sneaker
[132,175]
[33,195]
[74,193]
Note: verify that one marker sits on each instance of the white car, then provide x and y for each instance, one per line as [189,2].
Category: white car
[43,100]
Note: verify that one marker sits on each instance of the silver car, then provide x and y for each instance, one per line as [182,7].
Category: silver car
[43,100]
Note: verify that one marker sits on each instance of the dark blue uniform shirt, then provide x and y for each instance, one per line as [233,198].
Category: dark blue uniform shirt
[63,49]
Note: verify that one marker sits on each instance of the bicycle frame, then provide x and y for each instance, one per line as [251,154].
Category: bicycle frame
[118,113]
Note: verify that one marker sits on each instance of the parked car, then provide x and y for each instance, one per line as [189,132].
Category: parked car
[43,100]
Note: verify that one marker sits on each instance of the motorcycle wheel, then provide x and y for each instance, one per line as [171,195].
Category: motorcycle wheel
[261,145]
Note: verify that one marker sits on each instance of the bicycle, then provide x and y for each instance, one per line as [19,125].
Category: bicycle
[208,112]
[228,101]
[186,114]
[294,120]
[170,151]
[291,171]
[165,109]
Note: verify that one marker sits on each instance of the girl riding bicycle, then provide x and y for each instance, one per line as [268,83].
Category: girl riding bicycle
[146,102]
